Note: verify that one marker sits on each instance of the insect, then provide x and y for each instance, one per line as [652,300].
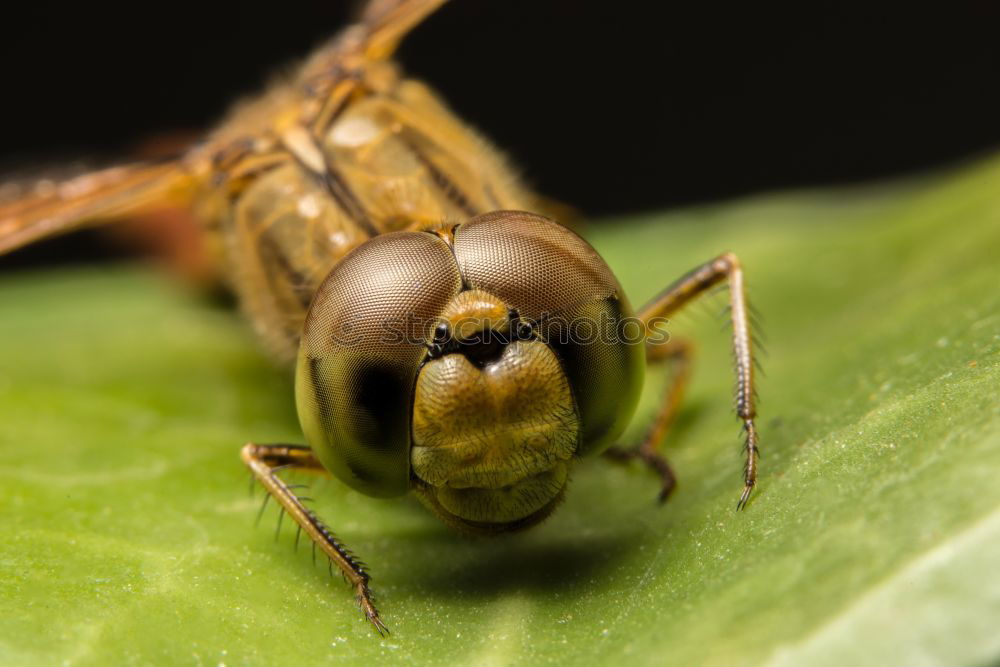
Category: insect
[438,324]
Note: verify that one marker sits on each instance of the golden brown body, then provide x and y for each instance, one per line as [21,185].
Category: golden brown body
[392,159]
[351,206]
[290,182]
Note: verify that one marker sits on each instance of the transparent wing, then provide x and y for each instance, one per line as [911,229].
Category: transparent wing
[43,208]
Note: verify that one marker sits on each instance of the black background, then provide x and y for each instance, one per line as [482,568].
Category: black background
[611,106]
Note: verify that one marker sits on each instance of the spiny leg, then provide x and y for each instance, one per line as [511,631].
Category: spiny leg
[725,267]
[676,357]
[264,461]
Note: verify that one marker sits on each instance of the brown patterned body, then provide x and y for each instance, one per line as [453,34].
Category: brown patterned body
[349,201]
[391,160]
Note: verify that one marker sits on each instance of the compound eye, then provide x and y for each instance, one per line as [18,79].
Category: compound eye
[567,297]
[361,348]
[539,268]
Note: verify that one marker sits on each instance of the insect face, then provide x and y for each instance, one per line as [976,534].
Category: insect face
[477,324]
[452,364]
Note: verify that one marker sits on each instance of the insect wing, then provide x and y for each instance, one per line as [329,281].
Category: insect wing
[48,208]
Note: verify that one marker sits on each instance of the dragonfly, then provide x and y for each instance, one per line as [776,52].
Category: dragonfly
[430,309]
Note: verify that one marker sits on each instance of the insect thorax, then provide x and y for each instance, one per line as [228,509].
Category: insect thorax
[391,161]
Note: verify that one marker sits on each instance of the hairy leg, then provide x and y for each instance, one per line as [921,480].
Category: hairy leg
[724,268]
[675,356]
[264,461]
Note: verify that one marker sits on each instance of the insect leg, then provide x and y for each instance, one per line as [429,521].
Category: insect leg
[725,267]
[676,357]
[263,460]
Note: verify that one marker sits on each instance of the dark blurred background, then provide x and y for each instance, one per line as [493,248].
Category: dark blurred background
[610,106]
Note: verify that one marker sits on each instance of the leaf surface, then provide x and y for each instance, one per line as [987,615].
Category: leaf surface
[127,532]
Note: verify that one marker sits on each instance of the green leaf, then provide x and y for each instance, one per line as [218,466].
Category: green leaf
[127,533]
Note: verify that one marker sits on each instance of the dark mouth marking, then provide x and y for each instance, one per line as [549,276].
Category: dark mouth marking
[486,346]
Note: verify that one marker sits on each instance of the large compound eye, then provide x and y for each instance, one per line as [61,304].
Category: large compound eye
[558,282]
[361,348]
